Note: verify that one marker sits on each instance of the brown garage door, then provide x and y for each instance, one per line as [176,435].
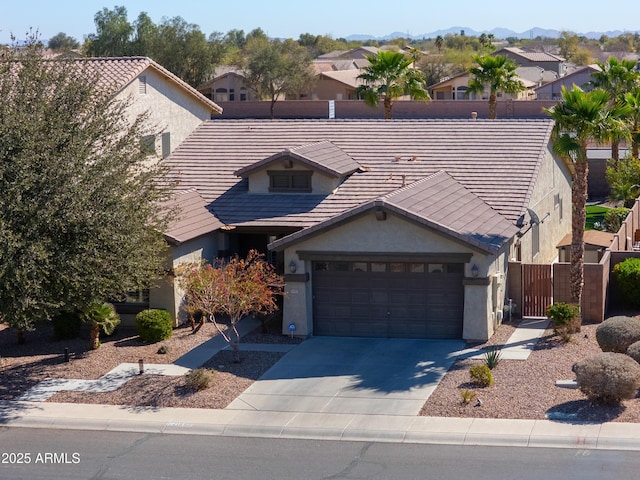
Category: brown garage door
[388,299]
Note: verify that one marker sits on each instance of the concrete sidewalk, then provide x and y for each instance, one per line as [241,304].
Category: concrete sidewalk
[330,426]
[324,426]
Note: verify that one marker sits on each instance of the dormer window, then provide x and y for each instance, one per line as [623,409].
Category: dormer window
[290,181]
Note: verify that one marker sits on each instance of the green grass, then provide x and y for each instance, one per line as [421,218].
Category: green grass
[595,213]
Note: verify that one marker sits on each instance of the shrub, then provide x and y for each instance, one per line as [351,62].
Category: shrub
[154,325]
[565,318]
[67,325]
[613,219]
[616,334]
[481,374]
[199,379]
[466,396]
[163,350]
[492,357]
[608,377]
[627,275]
[634,351]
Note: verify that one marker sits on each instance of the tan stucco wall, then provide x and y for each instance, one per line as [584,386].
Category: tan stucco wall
[365,234]
[554,178]
[171,108]
[167,294]
[330,89]
[320,182]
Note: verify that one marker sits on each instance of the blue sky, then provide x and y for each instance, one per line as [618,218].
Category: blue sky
[290,18]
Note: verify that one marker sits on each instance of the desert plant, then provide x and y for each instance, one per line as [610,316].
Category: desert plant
[163,350]
[67,325]
[492,357]
[467,396]
[616,334]
[634,351]
[613,219]
[154,325]
[102,317]
[481,374]
[199,379]
[565,318]
[627,275]
[608,378]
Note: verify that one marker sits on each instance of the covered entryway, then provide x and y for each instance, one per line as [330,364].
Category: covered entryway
[388,299]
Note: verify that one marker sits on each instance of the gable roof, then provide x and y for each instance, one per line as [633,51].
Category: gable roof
[496,160]
[346,77]
[323,156]
[438,202]
[115,73]
[193,218]
[531,56]
[578,73]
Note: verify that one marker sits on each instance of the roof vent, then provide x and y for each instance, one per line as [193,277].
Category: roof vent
[474,115]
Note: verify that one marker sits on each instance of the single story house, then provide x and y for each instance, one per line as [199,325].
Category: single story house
[456,88]
[525,58]
[580,77]
[381,228]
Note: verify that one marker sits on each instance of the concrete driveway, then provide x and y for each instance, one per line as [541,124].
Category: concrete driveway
[353,375]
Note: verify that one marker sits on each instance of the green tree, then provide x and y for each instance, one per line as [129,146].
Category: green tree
[632,101]
[388,76]
[79,219]
[616,77]
[568,43]
[145,36]
[623,178]
[275,68]
[496,72]
[183,49]
[62,42]
[234,289]
[113,34]
[579,118]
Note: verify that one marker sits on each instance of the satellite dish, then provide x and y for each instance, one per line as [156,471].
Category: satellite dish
[535,220]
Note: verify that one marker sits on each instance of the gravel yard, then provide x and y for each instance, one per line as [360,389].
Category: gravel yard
[522,389]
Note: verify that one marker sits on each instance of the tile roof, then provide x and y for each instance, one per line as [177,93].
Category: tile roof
[438,202]
[591,237]
[347,77]
[532,56]
[115,73]
[497,160]
[193,218]
[323,155]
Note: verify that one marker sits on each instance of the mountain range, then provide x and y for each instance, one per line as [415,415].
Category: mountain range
[498,33]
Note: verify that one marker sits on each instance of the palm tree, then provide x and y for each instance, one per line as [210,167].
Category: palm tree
[101,316]
[580,117]
[496,72]
[632,100]
[439,42]
[616,77]
[390,75]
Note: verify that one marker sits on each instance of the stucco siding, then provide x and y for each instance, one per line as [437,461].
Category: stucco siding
[170,109]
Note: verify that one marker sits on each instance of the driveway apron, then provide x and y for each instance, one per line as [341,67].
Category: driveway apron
[353,375]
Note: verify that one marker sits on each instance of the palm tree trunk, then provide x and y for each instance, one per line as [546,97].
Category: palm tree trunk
[579,202]
[493,110]
[615,150]
[388,107]
[94,336]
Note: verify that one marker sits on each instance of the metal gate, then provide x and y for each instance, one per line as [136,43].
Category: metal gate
[537,289]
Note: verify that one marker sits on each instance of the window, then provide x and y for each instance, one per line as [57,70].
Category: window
[137,296]
[232,95]
[243,94]
[535,239]
[221,95]
[148,145]
[166,144]
[292,181]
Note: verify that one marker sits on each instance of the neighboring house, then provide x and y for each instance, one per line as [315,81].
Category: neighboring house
[228,85]
[595,244]
[382,228]
[354,54]
[580,77]
[523,58]
[336,85]
[456,88]
[174,107]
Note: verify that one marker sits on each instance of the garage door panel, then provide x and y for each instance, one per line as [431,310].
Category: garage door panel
[388,304]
